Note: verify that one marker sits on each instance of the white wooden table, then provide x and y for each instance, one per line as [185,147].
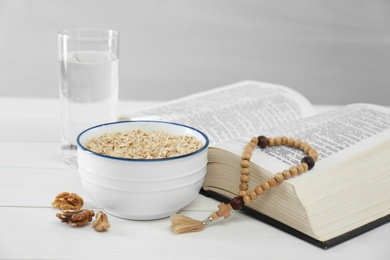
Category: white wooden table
[32,174]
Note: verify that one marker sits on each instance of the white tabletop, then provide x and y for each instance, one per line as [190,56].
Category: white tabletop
[32,174]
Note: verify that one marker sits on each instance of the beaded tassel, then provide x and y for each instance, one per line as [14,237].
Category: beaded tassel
[183,224]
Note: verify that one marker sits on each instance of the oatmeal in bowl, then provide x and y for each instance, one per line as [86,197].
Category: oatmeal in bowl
[142,170]
[137,144]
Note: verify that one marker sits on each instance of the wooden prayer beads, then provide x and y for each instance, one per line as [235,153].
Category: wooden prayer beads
[183,224]
[306,164]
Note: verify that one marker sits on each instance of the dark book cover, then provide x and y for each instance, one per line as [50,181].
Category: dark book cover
[322,244]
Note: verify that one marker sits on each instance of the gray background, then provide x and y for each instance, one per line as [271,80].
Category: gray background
[332,51]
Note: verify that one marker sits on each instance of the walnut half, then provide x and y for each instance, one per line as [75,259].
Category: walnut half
[101,222]
[76,217]
[66,201]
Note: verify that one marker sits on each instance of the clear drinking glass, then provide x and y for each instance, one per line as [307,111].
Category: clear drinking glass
[88,81]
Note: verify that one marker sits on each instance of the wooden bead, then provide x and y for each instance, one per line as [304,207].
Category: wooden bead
[249,148]
[303,146]
[284,140]
[245,171]
[265,185]
[246,199]
[251,144]
[272,182]
[290,142]
[305,167]
[307,149]
[237,203]
[244,178]
[242,193]
[278,141]
[248,151]
[253,195]
[259,190]
[271,142]
[243,186]
[244,163]
[309,161]
[300,169]
[313,153]
[246,156]
[293,170]
[279,177]
[262,141]
[286,174]
[297,143]
[255,140]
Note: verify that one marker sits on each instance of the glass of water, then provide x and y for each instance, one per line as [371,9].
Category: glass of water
[88,81]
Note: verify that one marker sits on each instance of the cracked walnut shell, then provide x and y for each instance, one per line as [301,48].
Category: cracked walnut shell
[68,201]
[76,217]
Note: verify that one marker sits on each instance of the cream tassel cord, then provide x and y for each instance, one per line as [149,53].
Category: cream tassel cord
[182,224]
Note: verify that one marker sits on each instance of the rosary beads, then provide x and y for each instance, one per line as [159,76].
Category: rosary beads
[183,224]
[307,163]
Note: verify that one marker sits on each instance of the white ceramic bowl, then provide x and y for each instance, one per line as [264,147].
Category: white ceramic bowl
[141,189]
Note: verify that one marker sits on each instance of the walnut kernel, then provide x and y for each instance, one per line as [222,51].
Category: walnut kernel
[76,217]
[68,201]
[101,222]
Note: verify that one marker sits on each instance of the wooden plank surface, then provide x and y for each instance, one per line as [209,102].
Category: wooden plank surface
[31,174]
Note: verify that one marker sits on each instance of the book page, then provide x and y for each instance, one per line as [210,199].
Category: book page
[336,135]
[232,111]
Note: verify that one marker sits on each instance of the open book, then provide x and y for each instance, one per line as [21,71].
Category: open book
[344,195]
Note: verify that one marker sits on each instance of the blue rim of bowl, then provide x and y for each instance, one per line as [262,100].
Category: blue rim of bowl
[205,145]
